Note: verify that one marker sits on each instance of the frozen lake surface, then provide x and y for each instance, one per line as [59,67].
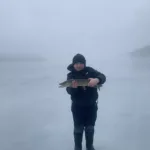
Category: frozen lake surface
[35,114]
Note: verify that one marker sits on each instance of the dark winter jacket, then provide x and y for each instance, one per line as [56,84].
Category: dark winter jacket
[89,95]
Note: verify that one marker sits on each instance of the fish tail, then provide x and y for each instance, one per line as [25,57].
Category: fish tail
[61,86]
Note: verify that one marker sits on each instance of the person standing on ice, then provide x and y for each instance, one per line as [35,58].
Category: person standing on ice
[84,104]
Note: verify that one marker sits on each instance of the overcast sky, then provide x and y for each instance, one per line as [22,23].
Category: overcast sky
[104,27]
[29,95]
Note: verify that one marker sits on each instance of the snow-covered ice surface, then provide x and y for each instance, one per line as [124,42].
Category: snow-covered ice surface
[35,114]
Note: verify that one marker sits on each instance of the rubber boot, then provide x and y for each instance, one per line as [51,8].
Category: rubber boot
[89,136]
[78,135]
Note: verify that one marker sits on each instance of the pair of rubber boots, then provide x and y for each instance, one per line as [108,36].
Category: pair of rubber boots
[89,135]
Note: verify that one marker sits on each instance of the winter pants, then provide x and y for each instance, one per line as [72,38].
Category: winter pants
[84,119]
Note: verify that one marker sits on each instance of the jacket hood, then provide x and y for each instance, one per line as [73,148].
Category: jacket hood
[70,67]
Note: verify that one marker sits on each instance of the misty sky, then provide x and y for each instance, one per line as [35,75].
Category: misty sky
[74,26]
[29,95]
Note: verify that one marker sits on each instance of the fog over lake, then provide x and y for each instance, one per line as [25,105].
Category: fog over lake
[37,42]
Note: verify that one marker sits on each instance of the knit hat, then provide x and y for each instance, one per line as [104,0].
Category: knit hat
[79,58]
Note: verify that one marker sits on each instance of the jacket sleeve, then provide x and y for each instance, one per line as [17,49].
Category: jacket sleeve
[99,75]
[70,90]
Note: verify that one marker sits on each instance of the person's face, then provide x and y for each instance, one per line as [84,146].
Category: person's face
[79,66]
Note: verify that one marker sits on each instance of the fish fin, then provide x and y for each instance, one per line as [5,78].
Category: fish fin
[61,86]
[62,83]
[99,86]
